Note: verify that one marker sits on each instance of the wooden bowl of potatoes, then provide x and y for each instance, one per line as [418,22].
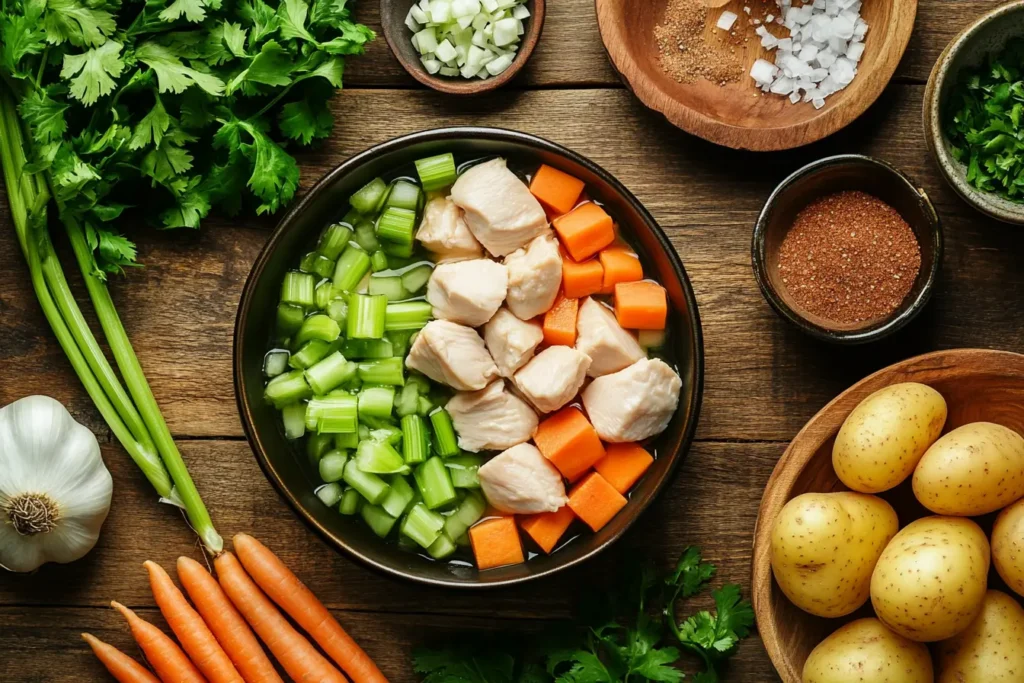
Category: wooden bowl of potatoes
[890,537]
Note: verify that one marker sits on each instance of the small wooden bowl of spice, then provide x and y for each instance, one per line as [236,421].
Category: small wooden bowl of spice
[847,249]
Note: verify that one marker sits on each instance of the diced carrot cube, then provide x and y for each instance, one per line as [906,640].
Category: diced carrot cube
[595,501]
[560,322]
[581,279]
[619,265]
[570,442]
[623,464]
[496,543]
[585,230]
[547,528]
[641,305]
[556,189]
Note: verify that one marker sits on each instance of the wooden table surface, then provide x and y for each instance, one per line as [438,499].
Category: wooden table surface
[764,378]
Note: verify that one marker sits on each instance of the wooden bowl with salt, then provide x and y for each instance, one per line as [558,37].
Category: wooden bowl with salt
[643,38]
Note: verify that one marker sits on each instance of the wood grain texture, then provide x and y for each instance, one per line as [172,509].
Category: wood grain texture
[978,385]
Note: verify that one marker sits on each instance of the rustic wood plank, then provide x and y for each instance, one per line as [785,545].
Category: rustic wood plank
[764,379]
[570,52]
[712,503]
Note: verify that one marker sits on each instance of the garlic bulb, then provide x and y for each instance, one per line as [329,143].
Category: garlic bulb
[54,488]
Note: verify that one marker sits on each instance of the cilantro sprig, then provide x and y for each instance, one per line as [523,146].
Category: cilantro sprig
[629,636]
[982,121]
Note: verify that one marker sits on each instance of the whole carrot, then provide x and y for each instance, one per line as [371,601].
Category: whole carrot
[227,624]
[121,666]
[300,659]
[192,632]
[284,588]
[163,654]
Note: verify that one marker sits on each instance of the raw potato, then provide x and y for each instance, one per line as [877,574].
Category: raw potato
[824,547]
[930,582]
[973,470]
[1008,547]
[865,650]
[991,650]
[881,441]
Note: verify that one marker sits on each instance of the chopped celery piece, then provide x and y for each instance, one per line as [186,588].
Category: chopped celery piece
[388,285]
[333,240]
[330,372]
[442,548]
[323,294]
[329,494]
[440,11]
[350,502]
[378,261]
[377,519]
[345,440]
[306,262]
[294,418]
[287,388]
[366,316]
[434,483]
[317,445]
[352,267]
[423,384]
[289,319]
[480,21]
[437,171]
[369,197]
[368,348]
[399,497]
[337,310]
[376,422]
[383,371]
[462,541]
[309,354]
[332,466]
[405,195]
[366,236]
[431,65]
[414,279]
[317,326]
[396,225]
[297,289]
[651,339]
[422,525]
[379,457]
[445,52]
[388,433]
[415,442]
[370,486]
[323,266]
[332,414]
[448,71]
[393,249]
[275,362]
[400,340]
[407,315]
[445,442]
[376,401]
[406,400]
[424,405]
[463,471]
[468,513]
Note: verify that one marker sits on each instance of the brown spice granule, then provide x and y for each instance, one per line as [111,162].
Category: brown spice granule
[684,48]
[849,258]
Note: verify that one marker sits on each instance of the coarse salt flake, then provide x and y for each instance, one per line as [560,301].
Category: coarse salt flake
[728,19]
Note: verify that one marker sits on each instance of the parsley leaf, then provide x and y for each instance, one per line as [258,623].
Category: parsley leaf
[96,70]
[691,574]
[44,114]
[79,24]
[152,127]
[306,119]
[172,75]
[193,11]
[291,15]
[21,35]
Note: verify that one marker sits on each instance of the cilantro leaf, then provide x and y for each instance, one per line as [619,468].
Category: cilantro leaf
[464,665]
[306,119]
[95,69]
[291,16]
[272,66]
[115,251]
[690,574]
[234,38]
[275,174]
[21,35]
[654,665]
[261,16]
[44,114]
[584,666]
[352,41]
[152,127]
[190,206]
[169,159]
[172,75]
[74,22]
[193,11]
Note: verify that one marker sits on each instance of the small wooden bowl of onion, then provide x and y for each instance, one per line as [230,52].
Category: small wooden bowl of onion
[399,19]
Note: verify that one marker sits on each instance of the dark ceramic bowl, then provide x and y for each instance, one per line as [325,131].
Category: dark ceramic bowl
[326,202]
[835,174]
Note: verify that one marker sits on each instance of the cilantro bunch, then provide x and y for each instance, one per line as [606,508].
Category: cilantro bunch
[982,121]
[170,107]
[633,635]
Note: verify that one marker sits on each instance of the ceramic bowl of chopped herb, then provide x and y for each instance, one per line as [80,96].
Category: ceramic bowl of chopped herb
[974,111]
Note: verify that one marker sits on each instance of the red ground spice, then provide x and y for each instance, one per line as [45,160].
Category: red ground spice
[849,258]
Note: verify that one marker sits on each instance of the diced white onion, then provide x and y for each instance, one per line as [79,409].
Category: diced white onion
[498,64]
[467,38]
[727,20]
[520,12]
[431,65]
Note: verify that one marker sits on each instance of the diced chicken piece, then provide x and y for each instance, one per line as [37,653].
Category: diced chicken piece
[521,481]
[467,292]
[553,377]
[511,341]
[534,276]
[600,336]
[635,403]
[500,211]
[452,354]
[444,232]
[491,419]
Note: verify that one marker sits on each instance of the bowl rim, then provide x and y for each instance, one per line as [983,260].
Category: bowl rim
[463,86]
[848,337]
[989,204]
[618,47]
[797,454]
[396,144]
